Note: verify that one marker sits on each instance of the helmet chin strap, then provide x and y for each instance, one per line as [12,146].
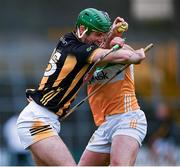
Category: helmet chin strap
[81,35]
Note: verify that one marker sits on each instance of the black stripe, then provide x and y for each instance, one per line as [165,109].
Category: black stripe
[32,134]
[38,128]
[72,92]
[67,81]
[65,84]
[75,89]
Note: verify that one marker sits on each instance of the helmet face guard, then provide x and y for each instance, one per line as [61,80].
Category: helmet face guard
[94,20]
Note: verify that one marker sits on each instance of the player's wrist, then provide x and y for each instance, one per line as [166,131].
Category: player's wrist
[134,58]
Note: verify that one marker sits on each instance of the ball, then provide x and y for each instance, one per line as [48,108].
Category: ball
[123,27]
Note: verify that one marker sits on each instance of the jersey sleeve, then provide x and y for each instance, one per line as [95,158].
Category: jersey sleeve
[84,53]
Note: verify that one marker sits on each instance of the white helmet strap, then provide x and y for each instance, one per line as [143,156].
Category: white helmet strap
[81,35]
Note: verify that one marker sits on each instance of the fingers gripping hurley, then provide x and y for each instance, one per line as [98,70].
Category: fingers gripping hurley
[147,48]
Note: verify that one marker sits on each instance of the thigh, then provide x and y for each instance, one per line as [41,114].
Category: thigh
[38,130]
[90,158]
[51,151]
[97,151]
[124,150]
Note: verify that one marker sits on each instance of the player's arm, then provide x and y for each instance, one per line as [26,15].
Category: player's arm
[124,56]
[127,47]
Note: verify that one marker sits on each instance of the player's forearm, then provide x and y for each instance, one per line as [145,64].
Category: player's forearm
[127,47]
[120,56]
[126,57]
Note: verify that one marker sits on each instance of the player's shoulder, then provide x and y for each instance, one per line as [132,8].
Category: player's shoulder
[68,41]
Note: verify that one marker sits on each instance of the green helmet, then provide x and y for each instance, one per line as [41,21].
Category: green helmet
[94,20]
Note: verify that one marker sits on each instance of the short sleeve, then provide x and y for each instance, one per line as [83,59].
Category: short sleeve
[84,52]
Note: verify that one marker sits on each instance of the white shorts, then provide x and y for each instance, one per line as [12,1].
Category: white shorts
[132,124]
[36,123]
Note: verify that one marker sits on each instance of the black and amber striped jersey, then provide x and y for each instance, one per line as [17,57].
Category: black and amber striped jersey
[63,77]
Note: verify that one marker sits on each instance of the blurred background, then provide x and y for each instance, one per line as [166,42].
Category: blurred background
[29,31]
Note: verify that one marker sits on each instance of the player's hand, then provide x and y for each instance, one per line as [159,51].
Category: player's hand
[140,55]
[117,40]
[118,27]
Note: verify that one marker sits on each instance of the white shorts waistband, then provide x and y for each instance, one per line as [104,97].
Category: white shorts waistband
[43,110]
